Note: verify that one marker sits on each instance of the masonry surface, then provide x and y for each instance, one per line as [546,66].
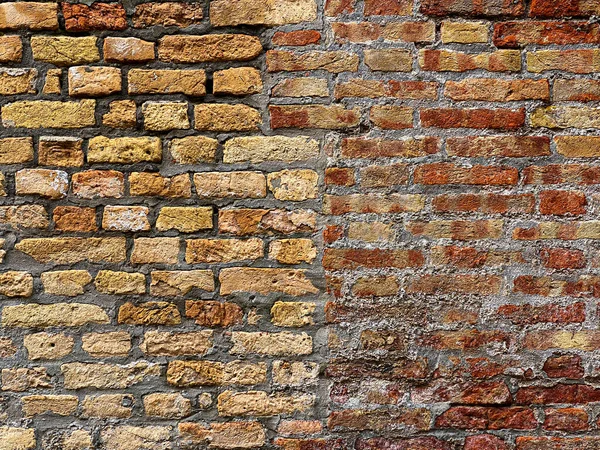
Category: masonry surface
[300,225]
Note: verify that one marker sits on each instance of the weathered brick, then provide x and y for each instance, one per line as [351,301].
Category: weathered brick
[565,117]
[60,151]
[257,149]
[58,314]
[333,61]
[245,435]
[128,50]
[265,281]
[453,61]
[165,116]
[111,282]
[276,12]
[155,250]
[494,90]
[176,283]
[98,16]
[124,436]
[293,251]
[149,313]
[48,346]
[125,150]
[167,14]
[296,38]
[121,114]
[98,183]
[521,34]
[66,282]
[222,117]
[100,345]
[575,61]
[464,32]
[125,218]
[186,219]
[49,114]
[11,48]
[24,216]
[208,48]
[91,81]
[259,403]
[210,313]
[313,116]
[193,149]
[155,185]
[503,146]
[167,406]
[73,249]
[65,50]
[107,406]
[211,373]
[159,343]
[502,119]
[29,15]
[462,7]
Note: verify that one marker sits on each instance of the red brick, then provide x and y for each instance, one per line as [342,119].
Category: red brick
[356,31]
[339,258]
[484,442]
[520,34]
[560,393]
[98,16]
[567,366]
[557,443]
[382,420]
[418,443]
[448,173]
[313,116]
[562,258]
[472,8]
[563,8]
[388,7]
[465,393]
[470,257]
[495,90]
[340,176]
[464,339]
[462,230]
[502,146]
[485,203]
[566,419]
[463,284]
[487,418]
[333,233]
[214,314]
[561,173]
[530,314]
[562,202]
[337,7]
[296,38]
[500,119]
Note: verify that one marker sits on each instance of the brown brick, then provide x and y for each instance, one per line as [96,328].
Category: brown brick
[29,16]
[222,250]
[149,313]
[167,14]
[98,16]
[154,185]
[74,218]
[128,50]
[61,152]
[214,314]
[334,61]
[11,49]
[208,48]
[167,81]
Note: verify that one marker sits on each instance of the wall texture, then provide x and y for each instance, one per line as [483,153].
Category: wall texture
[300,225]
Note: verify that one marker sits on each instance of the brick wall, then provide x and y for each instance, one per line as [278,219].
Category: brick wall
[300,225]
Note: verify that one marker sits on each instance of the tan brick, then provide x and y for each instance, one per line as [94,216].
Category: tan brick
[125,437]
[293,251]
[125,150]
[222,250]
[409,31]
[292,314]
[391,117]
[212,373]
[155,250]
[464,32]
[61,151]
[22,379]
[52,184]
[77,440]
[121,114]
[2,185]
[187,219]
[265,281]
[228,435]
[193,149]
[167,406]
[17,81]
[389,60]
[565,117]
[367,203]
[244,221]
[295,373]
[154,185]
[149,313]
[101,345]
[55,315]
[107,376]
[230,184]
[256,149]
[334,62]
[73,249]
[331,117]
[48,345]
[294,185]
[237,81]
[52,82]
[62,405]
[165,116]
[66,282]
[74,218]
[166,81]
[49,114]
[16,284]
[29,15]
[453,61]
[208,48]
[578,146]
[223,117]
[167,14]
[210,313]
[259,403]
[301,87]
[93,184]
[128,50]
[574,61]
[272,344]
[24,216]
[158,343]
[94,81]
[178,283]
[12,438]
[273,12]
[16,150]
[11,49]
[122,283]
[125,218]
[65,50]
[107,406]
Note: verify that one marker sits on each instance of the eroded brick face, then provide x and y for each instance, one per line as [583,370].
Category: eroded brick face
[299,225]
